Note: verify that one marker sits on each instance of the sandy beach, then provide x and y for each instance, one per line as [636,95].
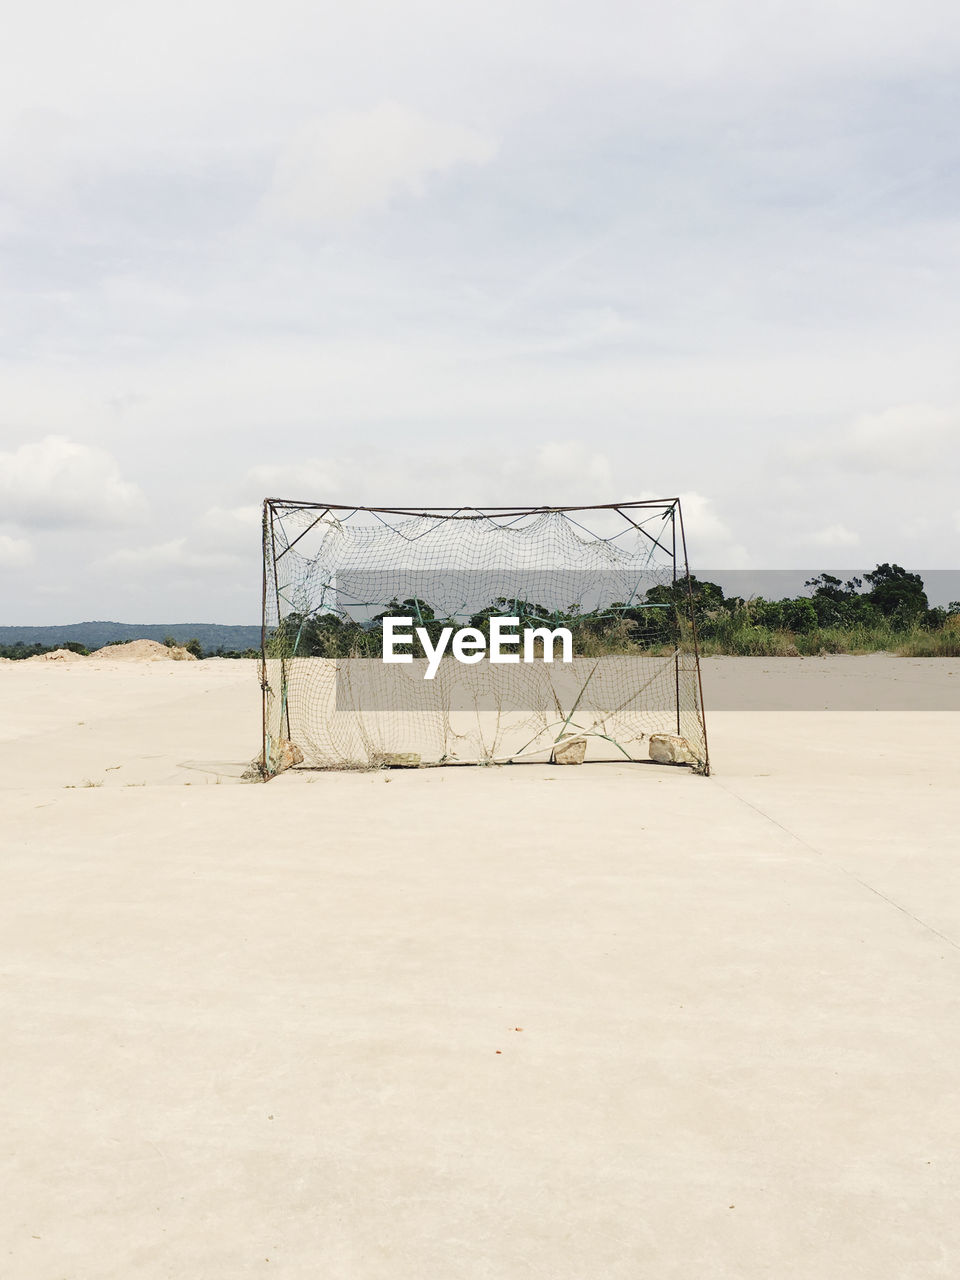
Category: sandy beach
[609,1021]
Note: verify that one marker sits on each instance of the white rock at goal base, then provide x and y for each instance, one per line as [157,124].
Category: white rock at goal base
[668,748]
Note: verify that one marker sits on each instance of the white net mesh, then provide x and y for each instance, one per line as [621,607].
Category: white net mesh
[612,576]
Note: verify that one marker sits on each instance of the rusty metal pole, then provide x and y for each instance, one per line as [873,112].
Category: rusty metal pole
[676,654]
[264,683]
[284,700]
[696,644]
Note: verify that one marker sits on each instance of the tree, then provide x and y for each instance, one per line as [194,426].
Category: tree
[194,646]
[831,588]
[767,613]
[898,595]
[837,603]
[800,615]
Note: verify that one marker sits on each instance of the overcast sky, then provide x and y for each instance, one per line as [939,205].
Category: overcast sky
[484,253]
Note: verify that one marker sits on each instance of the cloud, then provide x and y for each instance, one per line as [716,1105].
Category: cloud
[35,158]
[834,535]
[313,479]
[14,552]
[902,438]
[565,463]
[349,163]
[59,483]
[554,472]
[236,529]
[571,266]
[709,538]
[177,554]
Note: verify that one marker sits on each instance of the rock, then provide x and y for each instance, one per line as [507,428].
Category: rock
[399,760]
[285,755]
[668,748]
[572,751]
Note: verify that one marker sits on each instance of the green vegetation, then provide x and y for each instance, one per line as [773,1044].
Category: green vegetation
[192,645]
[21,650]
[94,635]
[887,610]
[891,615]
[837,617]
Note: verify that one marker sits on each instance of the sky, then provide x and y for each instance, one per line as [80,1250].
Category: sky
[480,254]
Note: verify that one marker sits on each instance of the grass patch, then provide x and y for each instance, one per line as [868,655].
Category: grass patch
[931,644]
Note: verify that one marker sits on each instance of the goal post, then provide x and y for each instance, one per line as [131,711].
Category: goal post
[477,636]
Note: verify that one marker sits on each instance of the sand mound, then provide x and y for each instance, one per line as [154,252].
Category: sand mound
[57,655]
[144,651]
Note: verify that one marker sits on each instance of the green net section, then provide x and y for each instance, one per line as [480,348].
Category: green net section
[612,577]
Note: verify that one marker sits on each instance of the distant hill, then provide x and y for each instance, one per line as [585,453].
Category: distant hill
[94,635]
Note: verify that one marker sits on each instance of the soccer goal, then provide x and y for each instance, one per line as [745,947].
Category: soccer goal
[464,636]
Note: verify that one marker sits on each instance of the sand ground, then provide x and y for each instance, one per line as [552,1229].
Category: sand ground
[616,1021]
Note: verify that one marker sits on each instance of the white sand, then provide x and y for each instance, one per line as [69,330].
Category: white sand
[261,1022]
[143,651]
